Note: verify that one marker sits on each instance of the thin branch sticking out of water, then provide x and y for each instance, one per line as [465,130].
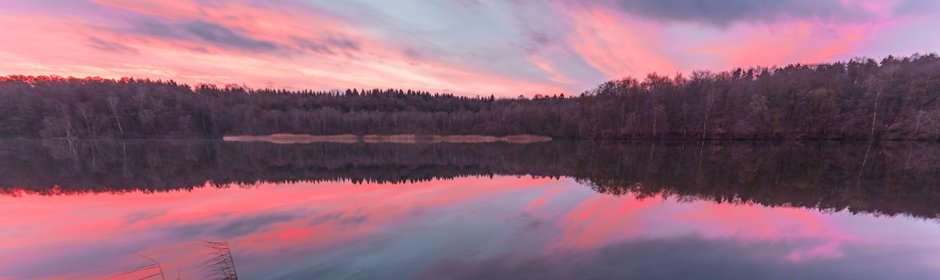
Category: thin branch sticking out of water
[221,264]
[154,265]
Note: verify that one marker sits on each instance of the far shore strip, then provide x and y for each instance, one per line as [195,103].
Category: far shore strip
[398,138]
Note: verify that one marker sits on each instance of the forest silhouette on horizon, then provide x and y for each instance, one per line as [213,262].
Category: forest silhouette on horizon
[860,99]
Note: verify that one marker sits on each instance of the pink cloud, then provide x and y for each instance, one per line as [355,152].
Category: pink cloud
[617,45]
[319,46]
[315,50]
[780,44]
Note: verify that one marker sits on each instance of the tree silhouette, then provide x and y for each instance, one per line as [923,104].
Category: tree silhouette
[895,99]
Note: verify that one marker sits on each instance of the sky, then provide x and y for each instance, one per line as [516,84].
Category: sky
[468,47]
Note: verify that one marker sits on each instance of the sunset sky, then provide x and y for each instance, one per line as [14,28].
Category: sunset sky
[466,47]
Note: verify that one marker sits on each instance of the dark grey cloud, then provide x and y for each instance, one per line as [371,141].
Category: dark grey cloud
[112,47]
[200,32]
[342,43]
[217,35]
[313,46]
[222,36]
[327,45]
[726,12]
[155,28]
[536,41]
[923,7]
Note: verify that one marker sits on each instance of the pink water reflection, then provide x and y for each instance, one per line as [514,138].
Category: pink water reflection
[423,229]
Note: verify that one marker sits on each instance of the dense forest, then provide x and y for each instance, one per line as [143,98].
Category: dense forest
[895,98]
[885,178]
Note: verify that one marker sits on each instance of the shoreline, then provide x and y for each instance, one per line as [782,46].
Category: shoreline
[283,138]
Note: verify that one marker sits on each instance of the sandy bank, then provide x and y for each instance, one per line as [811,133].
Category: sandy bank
[293,138]
[397,138]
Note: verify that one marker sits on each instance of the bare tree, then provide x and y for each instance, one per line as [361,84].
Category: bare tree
[113,104]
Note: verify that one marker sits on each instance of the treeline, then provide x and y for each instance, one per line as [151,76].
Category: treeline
[37,107]
[885,178]
[895,98]
[859,99]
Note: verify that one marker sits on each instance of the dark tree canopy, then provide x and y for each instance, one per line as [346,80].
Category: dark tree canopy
[896,98]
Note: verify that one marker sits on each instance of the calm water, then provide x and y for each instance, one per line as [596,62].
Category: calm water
[98,209]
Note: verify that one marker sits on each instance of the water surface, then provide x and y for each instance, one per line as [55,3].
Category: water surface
[559,210]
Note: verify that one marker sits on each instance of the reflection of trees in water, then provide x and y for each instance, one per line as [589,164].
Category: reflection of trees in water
[896,178]
[888,178]
[155,165]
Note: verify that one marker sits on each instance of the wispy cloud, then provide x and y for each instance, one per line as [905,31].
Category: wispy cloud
[468,47]
[328,45]
[219,35]
[201,32]
[726,12]
[111,47]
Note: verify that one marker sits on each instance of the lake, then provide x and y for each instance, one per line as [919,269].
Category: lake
[557,210]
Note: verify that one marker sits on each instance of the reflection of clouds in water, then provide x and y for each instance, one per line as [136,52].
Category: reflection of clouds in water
[232,227]
[829,250]
[338,217]
[504,226]
[248,225]
[70,261]
[693,236]
[142,216]
[689,257]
